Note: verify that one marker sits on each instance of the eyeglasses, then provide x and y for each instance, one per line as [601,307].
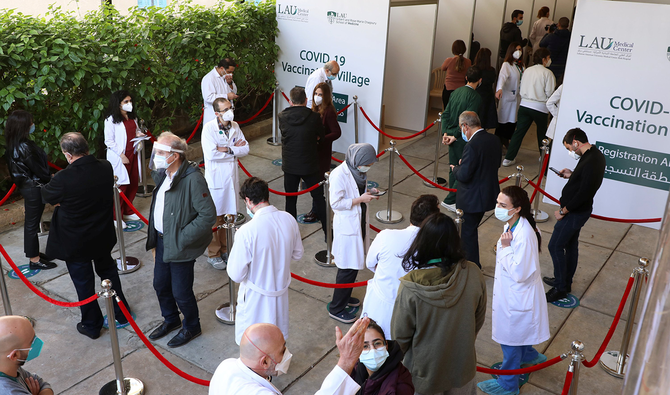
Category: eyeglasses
[377,344]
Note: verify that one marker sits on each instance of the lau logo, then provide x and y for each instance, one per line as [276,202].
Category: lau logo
[289,9]
[595,44]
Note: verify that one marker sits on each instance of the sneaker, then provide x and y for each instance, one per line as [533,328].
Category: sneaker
[508,163]
[42,264]
[493,388]
[122,222]
[450,207]
[541,358]
[131,217]
[217,263]
[344,317]
[349,309]
[353,302]
[224,256]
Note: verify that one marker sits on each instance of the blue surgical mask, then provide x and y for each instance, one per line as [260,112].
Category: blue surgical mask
[32,129]
[519,23]
[465,136]
[332,77]
[35,350]
[503,214]
[375,358]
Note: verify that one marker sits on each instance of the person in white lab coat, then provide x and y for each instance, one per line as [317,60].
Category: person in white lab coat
[120,128]
[222,143]
[520,317]
[218,83]
[326,74]
[507,92]
[349,198]
[385,261]
[553,105]
[263,354]
[260,260]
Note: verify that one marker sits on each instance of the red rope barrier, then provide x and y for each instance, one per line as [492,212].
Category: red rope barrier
[9,193]
[259,111]
[393,137]
[504,180]
[304,191]
[286,97]
[54,166]
[336,160]
[153,350]
[37,291]
[328,285]
[344,109]
[136,211]
[376,229]
[196,127]
[568,383]
[379,155]
[540,176]
[615,322]
[529,369]
[151,136]
[424,178]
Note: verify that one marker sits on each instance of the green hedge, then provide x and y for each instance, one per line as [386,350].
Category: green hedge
[63,69]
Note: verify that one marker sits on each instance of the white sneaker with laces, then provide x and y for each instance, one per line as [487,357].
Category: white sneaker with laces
[217,263]
[507,163]
[450,207]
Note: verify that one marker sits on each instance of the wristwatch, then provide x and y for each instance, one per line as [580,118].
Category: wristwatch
[561,211]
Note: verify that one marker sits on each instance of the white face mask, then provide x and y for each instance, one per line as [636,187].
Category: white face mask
[282,367]
[160,162]
[517,54]
[363,169]
[503,214]
[318,100]
[127,107]
[375,358]
[574,155]
[548,63]
[228,116]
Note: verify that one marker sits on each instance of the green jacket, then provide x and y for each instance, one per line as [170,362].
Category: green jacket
[435,321]
[462,99]
[188,217]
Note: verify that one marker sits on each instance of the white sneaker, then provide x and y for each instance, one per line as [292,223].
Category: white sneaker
[131,217]
[123,223]
[450,207]
[507,163]
[217,263]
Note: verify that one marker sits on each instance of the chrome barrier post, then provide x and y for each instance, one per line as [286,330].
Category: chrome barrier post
[3,291]
[576,358]
[459,220]
[436,179]
[324,257]
[274,140]
[143,190]
[539,215]
[121,385]
[355,119]
[125,264]
[518,175]
[226,312]
[614,362]
[389,216]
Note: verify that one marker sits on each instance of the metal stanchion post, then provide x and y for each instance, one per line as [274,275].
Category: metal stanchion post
[125,264]
[145,189]
[226,312]
[518,175]
[389,216]
[436,179]
[324,257]
[274,140]
[355,119]
[3,291]
[576,358]
[459,220]
[121,385]
[539,215]
[614,362]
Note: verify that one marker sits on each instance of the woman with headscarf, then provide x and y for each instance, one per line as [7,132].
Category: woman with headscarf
[349,198]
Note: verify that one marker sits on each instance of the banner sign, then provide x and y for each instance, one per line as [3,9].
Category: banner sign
[351,32]
[616,90]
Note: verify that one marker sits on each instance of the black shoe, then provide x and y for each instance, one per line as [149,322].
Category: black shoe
[554,295]
[163,330]
[310,218]
[42,265]
[86,331]
[353,302]
[551,281]
[184,336]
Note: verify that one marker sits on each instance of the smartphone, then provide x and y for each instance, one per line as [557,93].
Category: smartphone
[558,173]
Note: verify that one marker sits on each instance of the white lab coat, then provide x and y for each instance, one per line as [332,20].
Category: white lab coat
[214,86]
[348,246]
[519,305]
[317,76]
[260,261]
[115,140]
[232,377]
[221,167]
[538,31]
[509,81]
[385,260]
[553,105]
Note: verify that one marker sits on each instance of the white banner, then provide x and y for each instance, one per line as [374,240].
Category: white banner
[616,90]
[352,32]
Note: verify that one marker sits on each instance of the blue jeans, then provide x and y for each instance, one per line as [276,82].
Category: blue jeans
[564,247]
[513,357]
[173,282]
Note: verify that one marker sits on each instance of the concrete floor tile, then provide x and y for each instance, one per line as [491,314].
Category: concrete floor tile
[640,241]
[259,147]
[312,380]
[401,203]
[260,167]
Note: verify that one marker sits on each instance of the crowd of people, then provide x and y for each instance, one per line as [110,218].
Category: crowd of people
[427,301]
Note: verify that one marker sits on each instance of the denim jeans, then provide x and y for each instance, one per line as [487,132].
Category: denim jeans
[564,247]
[173,282]
[513,357]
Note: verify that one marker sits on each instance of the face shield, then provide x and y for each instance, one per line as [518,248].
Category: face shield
[162,156]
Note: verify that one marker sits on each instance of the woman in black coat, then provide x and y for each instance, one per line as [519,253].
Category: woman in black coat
[29,169]
[487,113]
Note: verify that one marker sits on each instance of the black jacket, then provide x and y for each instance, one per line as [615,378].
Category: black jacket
[477,174]
[28,165]
[301,130]
[391,378]
[82,227]
[577,195]
[558,44]
[510,33]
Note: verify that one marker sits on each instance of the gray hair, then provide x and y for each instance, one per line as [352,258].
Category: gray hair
[175,142]
[469,118]
[74,143]
[330,65]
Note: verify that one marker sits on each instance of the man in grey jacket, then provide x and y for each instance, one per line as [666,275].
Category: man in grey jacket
[180,228]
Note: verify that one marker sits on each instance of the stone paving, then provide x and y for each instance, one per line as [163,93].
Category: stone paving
[608,253]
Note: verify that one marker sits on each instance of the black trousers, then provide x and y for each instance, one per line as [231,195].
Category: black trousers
[81,273]
[291,182]
[32,201]
[470,236]
[341,295]
[445,97]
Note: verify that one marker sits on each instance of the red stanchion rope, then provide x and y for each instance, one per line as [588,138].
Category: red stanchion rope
[504,180]
[151,136]
[379,155]
[568,383]
[259,111]
[336,160]
[125,199]
[422,176]
[153,350]
[393,137]
[54,166]
[304,191]
[328,285]
[40,293]
[615,322]
[540,176]
[285,97]
[344,109]
[9,193]
[529,369]
[376,229]
[196,127]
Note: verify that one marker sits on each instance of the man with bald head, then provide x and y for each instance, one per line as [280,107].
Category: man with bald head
[326,74]
[263,354]
[18,345]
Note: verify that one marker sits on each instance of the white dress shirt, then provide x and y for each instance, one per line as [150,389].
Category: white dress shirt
[160,201]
